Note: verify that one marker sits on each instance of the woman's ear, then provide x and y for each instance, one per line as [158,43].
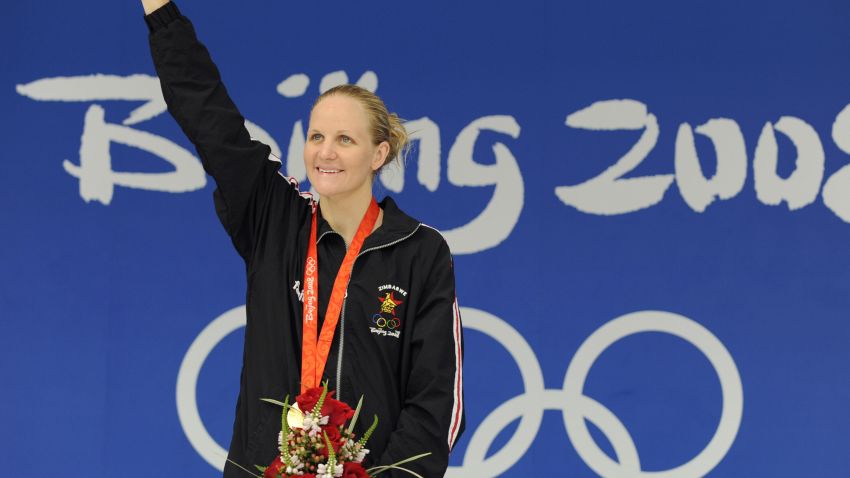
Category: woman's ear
[381,152]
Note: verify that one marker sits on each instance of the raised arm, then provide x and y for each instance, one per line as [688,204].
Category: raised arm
[151,5]
[191,85]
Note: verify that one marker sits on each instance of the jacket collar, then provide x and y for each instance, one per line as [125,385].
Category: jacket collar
[395,226]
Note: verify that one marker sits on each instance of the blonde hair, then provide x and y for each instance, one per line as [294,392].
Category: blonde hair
[383,125]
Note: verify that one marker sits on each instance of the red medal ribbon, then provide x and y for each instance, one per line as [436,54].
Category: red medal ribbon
[314,353]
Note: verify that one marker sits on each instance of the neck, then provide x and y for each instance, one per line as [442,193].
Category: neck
[344,214]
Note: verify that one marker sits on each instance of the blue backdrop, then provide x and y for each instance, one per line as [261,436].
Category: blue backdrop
[648,202]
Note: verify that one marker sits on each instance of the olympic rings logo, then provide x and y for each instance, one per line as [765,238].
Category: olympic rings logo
[311,265]
[383,323]
[528,407]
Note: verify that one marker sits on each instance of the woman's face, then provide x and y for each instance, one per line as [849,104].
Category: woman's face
[339,155]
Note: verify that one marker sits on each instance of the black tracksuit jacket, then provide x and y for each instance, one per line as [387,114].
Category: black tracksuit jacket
[410,375]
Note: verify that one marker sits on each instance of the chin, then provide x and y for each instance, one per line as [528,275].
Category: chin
[334,187]
[324,191]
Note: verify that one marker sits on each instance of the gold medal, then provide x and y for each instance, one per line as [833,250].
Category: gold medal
[295,417]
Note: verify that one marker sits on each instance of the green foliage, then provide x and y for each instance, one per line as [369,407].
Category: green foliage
[237,465]
[317,410]
[356,415]
[369,432]
[284,429]
[331,453]
[274,402]
[376,470]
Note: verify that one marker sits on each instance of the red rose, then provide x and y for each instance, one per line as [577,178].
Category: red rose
[307,400]
[353,470]
[337,412]
[333,434]
[275,468]
[335,437]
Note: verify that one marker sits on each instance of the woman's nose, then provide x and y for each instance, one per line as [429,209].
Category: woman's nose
[327,151]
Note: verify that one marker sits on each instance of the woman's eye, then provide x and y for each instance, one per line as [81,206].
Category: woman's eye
[316,137]
[345,139]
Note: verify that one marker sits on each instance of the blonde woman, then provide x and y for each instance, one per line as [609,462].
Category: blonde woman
[347,289]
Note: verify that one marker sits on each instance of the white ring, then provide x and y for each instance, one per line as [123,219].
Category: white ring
[653,321]
[475,458]
[187,381]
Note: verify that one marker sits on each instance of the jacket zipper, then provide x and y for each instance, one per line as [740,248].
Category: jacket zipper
[342,313]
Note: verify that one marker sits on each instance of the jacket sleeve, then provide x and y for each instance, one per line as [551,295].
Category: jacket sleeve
[432,418]
[191,85]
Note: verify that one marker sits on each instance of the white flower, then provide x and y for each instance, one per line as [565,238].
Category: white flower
[361,455]
[313,424]
[322,471]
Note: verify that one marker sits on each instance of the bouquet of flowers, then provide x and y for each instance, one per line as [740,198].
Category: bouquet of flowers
[315,442]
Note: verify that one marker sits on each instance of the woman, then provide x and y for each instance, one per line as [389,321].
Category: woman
[390,332]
